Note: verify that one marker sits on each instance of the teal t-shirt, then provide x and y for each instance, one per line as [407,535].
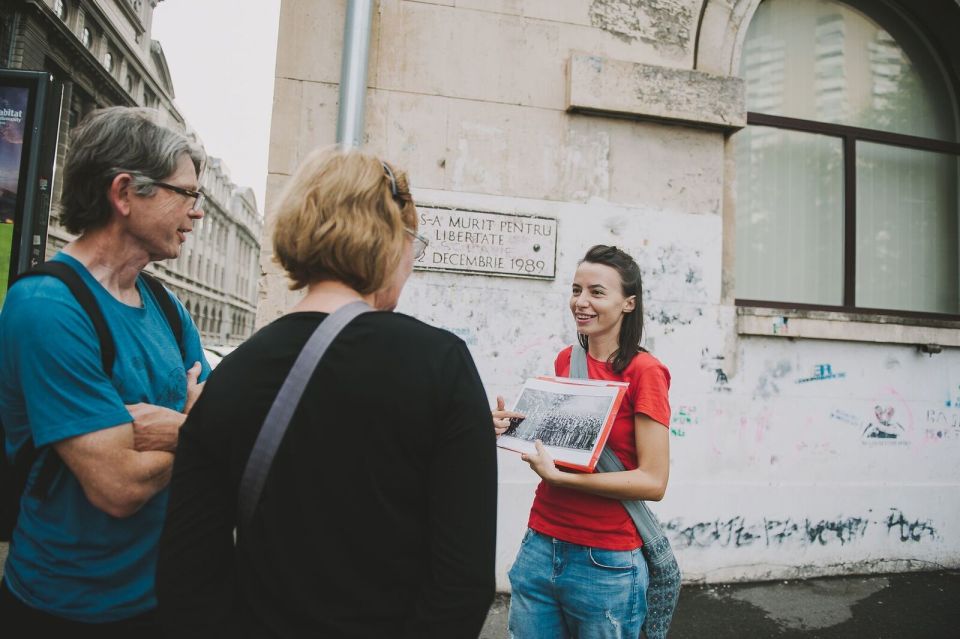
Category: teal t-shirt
[67,557]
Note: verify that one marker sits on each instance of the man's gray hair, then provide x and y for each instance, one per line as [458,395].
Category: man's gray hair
[112,141]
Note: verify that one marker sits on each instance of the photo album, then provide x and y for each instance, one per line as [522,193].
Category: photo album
[572,417]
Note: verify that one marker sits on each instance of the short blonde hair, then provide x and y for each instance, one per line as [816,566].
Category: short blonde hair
[338,219]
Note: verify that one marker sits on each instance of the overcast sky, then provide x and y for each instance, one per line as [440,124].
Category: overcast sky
[221,55]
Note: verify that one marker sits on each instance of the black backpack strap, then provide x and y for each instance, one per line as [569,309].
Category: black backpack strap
[14,473]
[28,455]
[52,463]
[17,472]
[168,306]
[66,274]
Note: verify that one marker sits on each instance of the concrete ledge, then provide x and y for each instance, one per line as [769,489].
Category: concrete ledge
[884,329]
[603,86]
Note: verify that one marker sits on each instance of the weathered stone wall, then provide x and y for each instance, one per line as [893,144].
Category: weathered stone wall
[778,464]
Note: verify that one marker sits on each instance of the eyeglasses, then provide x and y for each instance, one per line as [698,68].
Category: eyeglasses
[199,198]
[419,244]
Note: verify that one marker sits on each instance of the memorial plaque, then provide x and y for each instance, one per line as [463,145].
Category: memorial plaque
[483,243]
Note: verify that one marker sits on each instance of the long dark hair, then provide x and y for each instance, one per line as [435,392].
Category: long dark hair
[631,330]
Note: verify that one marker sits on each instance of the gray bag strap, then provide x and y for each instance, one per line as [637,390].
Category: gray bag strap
[663,591]
[285,404]
[645,521]
[578,363]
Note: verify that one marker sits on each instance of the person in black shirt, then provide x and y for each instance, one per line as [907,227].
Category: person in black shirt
[378,516]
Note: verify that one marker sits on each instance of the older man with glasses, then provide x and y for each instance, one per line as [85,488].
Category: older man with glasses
[93,434]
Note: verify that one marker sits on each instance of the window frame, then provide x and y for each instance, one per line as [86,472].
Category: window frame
[150,99]
[849,136]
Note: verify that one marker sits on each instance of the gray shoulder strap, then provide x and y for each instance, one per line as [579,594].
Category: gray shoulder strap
[578,362]
[646,523]
[643,518]
[285,404]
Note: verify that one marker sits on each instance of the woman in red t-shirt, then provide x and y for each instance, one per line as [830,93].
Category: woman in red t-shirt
[579,572]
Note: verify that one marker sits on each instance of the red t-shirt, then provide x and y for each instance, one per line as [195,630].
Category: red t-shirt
[590,520]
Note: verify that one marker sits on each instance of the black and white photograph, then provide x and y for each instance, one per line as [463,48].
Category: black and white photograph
[569,418]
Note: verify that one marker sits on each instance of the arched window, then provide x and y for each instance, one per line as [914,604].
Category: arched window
[60,8]
[108,61]
[847,174]
[86,37]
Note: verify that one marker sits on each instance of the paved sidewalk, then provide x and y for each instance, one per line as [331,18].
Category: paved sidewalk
[905,606]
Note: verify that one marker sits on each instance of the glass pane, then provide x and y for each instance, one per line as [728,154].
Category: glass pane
[906,229]
[789,216]
[844,68]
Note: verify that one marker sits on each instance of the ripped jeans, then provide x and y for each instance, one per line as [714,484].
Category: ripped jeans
[563,590]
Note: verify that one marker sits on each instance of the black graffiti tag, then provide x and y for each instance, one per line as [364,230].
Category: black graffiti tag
[844,530]
[738,532]
[912,531]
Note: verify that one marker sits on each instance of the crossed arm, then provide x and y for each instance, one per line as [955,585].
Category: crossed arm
[158,428]
[122,467]
[115,477]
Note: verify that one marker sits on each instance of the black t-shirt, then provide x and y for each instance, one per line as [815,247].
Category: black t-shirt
[378,517]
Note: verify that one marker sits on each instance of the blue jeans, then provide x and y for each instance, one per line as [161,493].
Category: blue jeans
[563,590]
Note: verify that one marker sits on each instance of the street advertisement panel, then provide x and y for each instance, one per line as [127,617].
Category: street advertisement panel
[30,113]
[13,112]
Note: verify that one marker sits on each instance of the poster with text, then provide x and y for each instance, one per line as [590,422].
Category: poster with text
[13,110]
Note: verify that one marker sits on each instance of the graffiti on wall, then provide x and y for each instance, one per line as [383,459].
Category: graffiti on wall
[940,425]
[821,372]
[754,428]
[846,417]
[890,422]
[884,425]
[713,363]
[740,532]
[781,326]
[909,530]
[721,383]
[953,398]
[683,417]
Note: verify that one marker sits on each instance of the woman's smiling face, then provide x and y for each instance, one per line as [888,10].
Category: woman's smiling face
[597,301]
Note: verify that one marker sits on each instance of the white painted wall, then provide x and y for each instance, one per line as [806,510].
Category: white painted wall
[773,471]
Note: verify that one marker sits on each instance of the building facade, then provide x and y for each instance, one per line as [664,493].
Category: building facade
[102,52]
[785,172]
